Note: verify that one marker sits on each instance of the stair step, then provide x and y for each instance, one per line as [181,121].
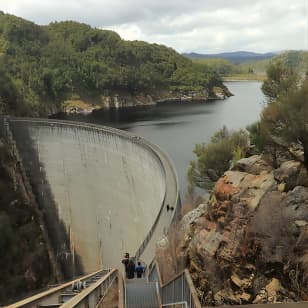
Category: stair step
[50,286]
[141,294]
[49,305]
[66,296]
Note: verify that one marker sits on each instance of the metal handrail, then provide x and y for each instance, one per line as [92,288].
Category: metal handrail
[46,294]
[181,285]
[124,282]
[176,304]
[121,290]
[176,203]
[104,282]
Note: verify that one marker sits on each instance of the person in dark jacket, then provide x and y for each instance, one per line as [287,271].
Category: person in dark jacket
[139,270]
[125,261]
[130,274]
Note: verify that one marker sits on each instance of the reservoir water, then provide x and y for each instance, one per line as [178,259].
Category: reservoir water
[176,128]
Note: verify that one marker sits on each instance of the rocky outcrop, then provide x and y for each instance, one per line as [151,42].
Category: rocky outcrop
[291,174]
[249,243]
[86,105]
[253,164]
[124,100]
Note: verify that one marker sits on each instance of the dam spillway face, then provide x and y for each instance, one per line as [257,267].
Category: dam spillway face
[99,190]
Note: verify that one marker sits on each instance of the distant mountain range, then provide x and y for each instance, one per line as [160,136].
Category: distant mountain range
[236,56]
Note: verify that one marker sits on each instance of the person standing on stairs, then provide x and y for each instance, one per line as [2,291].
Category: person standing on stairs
[139,270]
[125,261]
[130,274]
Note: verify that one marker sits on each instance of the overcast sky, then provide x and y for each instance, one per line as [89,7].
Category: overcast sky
[204,26]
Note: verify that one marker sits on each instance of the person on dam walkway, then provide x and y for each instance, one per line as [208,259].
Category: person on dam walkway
[125,261]
[139,269]
[130,274]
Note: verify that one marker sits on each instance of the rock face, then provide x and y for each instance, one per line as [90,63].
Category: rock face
[78,105]
[292,174]
[123,100]
[249,243]
[253,164]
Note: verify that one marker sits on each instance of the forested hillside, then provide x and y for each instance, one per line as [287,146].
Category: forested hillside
[255,69]
[235,57]
[41,66]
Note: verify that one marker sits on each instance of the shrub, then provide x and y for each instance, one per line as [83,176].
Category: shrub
[215,158]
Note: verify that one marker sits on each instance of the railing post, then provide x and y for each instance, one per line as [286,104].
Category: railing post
[182,296]
[121,290]
[173,289]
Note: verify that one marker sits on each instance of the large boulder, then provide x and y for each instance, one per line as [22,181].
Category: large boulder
[205,243]
[295,206]
[268,225]
[242,186]
[253,164]
[291,173]
[187,226]
[272,290]
[235,197]
[228,185]
[191,217]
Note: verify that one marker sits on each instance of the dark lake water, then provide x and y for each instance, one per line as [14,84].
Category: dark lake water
[178,127]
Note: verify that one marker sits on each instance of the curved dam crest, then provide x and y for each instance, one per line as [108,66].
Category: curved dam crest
[100,190]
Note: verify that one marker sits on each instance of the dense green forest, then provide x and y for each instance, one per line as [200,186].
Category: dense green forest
[41,66]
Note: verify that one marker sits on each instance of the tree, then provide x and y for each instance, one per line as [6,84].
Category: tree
[8,94]
[215,158]
[287,118]
[281,79]
[256,136]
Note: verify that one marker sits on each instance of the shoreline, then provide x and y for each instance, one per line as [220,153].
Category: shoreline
[242,80]
[86,109]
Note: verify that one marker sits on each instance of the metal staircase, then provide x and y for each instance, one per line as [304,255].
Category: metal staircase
[87,291]
[141,294]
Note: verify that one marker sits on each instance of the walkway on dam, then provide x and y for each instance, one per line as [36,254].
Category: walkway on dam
[165,217]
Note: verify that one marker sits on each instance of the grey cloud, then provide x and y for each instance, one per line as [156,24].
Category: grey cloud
[198,25]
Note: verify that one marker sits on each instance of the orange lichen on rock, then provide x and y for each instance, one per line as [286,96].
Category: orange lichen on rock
[224,190]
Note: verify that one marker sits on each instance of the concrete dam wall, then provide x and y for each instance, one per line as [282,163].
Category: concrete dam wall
[100,189]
